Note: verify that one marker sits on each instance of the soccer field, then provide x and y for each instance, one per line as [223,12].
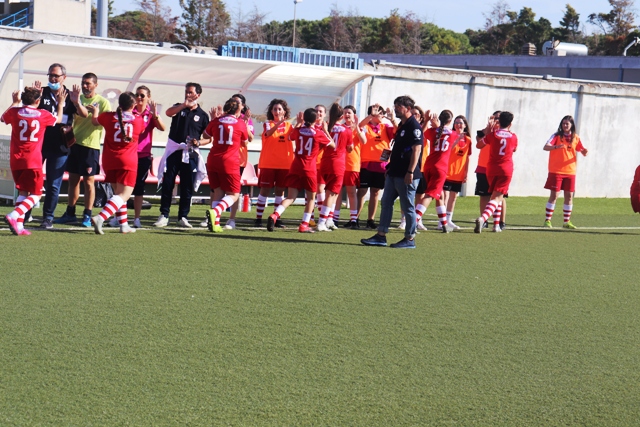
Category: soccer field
[171,327]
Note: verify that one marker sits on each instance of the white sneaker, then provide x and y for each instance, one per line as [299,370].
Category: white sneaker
[331,225]
[322,226]
[97,224]
[497,229]
[439,227]
[205,223]
[448,228]
[183,223]
[113,222]
[230,225]
[136,223]
[162,221]
[420,226]
[455,227]
[126,229]
[403,224]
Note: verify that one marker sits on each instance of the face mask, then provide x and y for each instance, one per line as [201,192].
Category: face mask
[54,86]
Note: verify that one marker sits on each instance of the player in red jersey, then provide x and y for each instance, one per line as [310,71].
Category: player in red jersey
[333,166]
[442,140]
[322,125]
[28,124]
[635,191]
[119,157]
[351,180]
[502,144]
[303,172]
[228,133]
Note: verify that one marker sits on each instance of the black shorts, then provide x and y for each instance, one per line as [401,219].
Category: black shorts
[452,186]
[144,165]
[422,186]
[83,161]
[482,186]
[370,179]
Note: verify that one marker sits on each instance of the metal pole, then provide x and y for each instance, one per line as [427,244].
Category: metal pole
[102,21]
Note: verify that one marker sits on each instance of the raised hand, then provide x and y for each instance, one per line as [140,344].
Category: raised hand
[153,107]
[15,96]
[37,85]
[75,94]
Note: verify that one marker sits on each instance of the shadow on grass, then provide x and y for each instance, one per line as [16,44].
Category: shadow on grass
[595,232]
[270,237]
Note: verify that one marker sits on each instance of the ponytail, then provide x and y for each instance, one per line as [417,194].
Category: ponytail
[126,137]
[335,114]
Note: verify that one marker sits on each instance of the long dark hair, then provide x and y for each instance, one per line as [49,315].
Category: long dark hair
[309,116]
[126,101]
[466,125]
[335,114]
[274,102]
[560,132]
[445,118]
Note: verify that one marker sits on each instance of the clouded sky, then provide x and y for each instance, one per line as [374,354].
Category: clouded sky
[457,15]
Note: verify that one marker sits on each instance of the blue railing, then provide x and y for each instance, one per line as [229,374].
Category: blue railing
[268,52]
[20,19]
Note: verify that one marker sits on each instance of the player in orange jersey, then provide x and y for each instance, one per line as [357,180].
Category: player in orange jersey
[458,168]
[563,148]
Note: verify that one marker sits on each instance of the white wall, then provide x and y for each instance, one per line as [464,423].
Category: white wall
[606,118]
[63,16]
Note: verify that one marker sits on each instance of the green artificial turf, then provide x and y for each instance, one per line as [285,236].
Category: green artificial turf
[250,328]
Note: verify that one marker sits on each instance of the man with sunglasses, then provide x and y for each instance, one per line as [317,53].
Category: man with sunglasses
[54,148]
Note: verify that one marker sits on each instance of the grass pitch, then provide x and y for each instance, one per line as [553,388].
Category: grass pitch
[246,328]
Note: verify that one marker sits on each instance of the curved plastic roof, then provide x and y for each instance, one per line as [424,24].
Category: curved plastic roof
[165,72]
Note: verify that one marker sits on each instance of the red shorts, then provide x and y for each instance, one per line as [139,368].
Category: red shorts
[29,180]
[302,181]
[119,176]
[270,178]
[635,202]
[351,179]
[333,182]
[499,183]
[320,178]
[227,182]
[435,179]
[557,182]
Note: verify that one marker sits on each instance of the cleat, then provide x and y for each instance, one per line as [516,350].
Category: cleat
[162,221]
[547,224]
[24,232]
[126,229]
[568,225]
[497,229]
[404,244]
[375,240]
[280,224]
[211,219]
[447,228]
[503,225]
[455,227]
[351,225]
[86,220]
[66,219]
[13,225]
[271,222]
[305,228]
[257,222]
[480,224]
[331,225]
[97,222]
[312,223]
[113,222]
[403,224]
[184,223]
[136,223]
[216,229]
[420,226]
[230,225]
[322,226]
[46,224]
[372,224]
[204,223]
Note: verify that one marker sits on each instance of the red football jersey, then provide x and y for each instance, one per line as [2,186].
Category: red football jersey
[502,143]
[308,141]
[27,134]
[439,149]
[228,133]
[117,153]
[334,159]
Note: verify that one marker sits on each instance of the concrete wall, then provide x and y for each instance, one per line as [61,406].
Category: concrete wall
[606,117]
[63,16]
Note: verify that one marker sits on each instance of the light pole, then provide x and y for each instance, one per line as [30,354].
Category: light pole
[295,4]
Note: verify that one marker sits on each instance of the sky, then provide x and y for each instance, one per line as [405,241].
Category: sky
[457,15]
